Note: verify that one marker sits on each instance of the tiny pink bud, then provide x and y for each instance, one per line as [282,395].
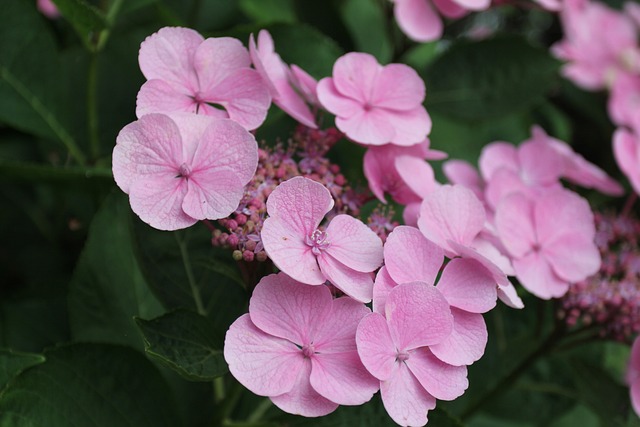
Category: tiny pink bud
[247,256]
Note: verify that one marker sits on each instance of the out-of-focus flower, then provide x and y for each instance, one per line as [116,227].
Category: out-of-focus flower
[48,9]
[626,150]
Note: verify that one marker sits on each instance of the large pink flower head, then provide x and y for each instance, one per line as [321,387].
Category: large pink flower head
[345,253]
[396,349]
[626,149]
[297,346]
[550,240]
[375,104]
[187,73]
[420,21]
[596,57]
[633,375]
[280,79]
[182,168]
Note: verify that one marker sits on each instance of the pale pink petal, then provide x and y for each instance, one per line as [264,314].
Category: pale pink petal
[48,8]
[418,20]
[411,257]
[303,399]
[305,84]
[463,173]
[441,380]
[560,213]
[634,392]
[535,274]
[355,76]
[474,4]
[375,346]
[356,284]
[218,58]
[514,223]
[411,214]
[334,101]
[264,364]
[487,246]
[626,149]
[381,288]
[470,253]
[290,253]
[451,213]
[633,375]
[398,87]
[418,315]
[243,95]
[342,378]
[505,182]
[377,172]
[158,200]
[498,155]
[417,174]
[354,244]
[168,55]
[509,296]
[285,308]
[450,8]
[367,127]
[212,194]
[467,285]
[540,164]
[337,333]
[467,341]
[158,96]
[300,203]
[573,257]
[404,398]
[293,104]
[382,173]
[410,127]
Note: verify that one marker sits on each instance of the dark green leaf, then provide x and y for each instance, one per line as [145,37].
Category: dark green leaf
[269,11]
[360,17]
[85,19]
[185,342]
[107,288]
[13,362]
[38,172]
[89,385]
[476,80]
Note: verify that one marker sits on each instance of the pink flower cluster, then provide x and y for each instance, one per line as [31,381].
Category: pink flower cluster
[609,299]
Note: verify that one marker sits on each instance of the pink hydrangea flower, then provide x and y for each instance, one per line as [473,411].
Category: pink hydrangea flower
[420,21]
[375,104]
[345,253]
[396,349]
[596,57]
[183,168]
[550,240]
[187,73]
[297,346]
[633,376]
[624,100]
[279,78]
[626,149]
[464,173]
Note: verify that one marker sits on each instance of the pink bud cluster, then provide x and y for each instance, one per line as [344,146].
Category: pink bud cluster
[609,298]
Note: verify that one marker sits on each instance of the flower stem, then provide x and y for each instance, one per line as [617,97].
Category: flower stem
[92,106]
[187,268]
[260,410]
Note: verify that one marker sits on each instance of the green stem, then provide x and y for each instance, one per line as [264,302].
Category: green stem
[92,106]
[219,393]
[260,410]
[192,283]
[507,381]
[111,17]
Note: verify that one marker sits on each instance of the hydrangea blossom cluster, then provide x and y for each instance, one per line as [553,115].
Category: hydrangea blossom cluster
[609,299]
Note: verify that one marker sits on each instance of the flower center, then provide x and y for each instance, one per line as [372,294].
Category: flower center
[318,240]
[401,356]
[184,171]
[308,351]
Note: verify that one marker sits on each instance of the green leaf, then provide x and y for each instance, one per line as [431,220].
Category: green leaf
[13,362]
[107,288]
[489,78]
[269,11]
[89,385]
[185,342]
[85,19]
[360,17]
[40,173]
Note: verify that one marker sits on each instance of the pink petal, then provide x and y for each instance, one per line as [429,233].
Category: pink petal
[264,364]
[300,204]
[411,257]
[341,378]
[218,58]
[411,213]
[356,284]
[451,213]
[290,253]
[540,163]
[441,380]
[158,96]
[213,194]
[169,54]
[634,392]
[466,343]
[418,315]
[417,174]
[418,20]
[381,289]
[462,172]
[334,101]
[509,296]
[404,398]
[367,127]
[282,307]
[626,150]
[466,252]
[305,84]
[474,4]
[398,87]
[293,104]
[633,376]
[337,334]
[355,75]
[505,182]
[498,155]
[535,274]
[410,126]
[450,8]
[560,213]
[514,223]
[573,257]
[467,285]
[375,346]
[303,399]
[354,244]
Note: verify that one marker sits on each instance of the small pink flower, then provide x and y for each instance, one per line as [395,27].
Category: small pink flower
[633,376]
[48,9]
[279,78]
[297,346]
[187,73]
[550,240]
[396,349]
[346,253]
[375,104]
[183,168]
[626,149]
